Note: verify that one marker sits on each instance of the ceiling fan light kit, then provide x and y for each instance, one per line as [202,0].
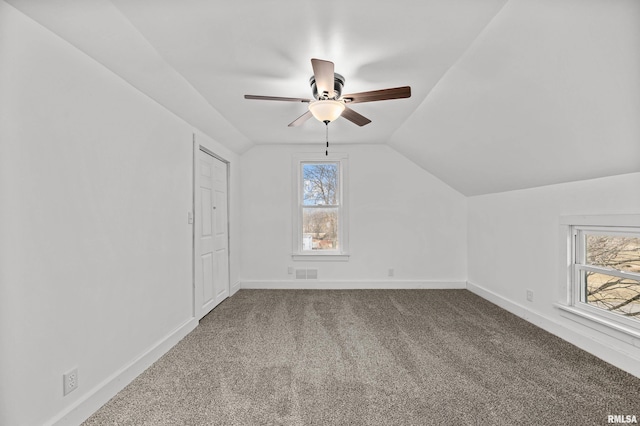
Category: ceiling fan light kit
[326,110]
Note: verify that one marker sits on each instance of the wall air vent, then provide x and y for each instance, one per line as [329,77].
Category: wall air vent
[306,274]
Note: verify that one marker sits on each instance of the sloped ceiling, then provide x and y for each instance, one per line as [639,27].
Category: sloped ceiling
[549,92]
[505,94]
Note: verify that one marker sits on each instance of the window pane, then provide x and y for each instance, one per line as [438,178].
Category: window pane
[319,228]
[622,253]
[320,184]
[615,294]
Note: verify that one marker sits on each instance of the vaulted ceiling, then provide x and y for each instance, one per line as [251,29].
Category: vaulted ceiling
[505,94]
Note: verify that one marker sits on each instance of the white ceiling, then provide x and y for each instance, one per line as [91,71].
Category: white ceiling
[505,94]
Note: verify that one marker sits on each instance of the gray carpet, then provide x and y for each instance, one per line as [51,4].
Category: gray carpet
[371,357]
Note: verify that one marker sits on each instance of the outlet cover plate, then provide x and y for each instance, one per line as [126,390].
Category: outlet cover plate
[70,381]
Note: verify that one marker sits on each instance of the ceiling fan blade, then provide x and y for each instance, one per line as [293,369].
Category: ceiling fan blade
[275,98]
[298,121]
[323,73]
[354,117]
[379,95]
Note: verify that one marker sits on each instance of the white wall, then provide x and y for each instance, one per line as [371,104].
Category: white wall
[401,217]
[95,248]
[514,244]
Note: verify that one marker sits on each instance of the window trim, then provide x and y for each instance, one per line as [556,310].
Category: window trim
[571,268]
[342,254]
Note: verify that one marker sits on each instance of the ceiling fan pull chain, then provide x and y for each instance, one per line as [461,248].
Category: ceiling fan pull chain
[326,124]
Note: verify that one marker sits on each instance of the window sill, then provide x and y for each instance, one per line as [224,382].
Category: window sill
[315,257]
[600,324]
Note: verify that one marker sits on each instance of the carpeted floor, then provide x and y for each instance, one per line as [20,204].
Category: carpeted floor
[371,357]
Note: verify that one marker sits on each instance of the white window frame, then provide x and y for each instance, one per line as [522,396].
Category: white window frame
[573,265]
[342,253]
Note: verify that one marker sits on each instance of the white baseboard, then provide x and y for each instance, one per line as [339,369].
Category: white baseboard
[234,288]
[95,398]
[351,284]
[577,337]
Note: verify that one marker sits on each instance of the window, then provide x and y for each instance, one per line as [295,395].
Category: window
[604,271]
[607,269]
[320,226]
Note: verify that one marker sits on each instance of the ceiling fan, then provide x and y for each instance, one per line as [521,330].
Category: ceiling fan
[329,103]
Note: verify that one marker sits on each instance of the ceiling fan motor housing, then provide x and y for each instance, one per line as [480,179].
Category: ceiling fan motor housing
[338,84]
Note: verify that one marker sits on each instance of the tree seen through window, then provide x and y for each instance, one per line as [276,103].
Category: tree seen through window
[321,201]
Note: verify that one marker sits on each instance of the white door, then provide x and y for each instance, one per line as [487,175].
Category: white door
[211,234]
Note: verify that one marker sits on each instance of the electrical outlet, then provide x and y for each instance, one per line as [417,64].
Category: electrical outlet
[290,270]
[70,381]
[530,295]
[391,272]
